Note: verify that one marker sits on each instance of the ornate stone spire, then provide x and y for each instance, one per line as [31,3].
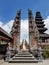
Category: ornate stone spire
[33,31]
[16,24]
[15,32]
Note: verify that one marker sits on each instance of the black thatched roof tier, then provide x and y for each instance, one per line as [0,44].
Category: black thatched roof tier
[39,22]
[42,29]
[41,25]
[39,19]
[38,16]
[44,35]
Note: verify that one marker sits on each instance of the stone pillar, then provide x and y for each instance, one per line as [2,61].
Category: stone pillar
[14,39]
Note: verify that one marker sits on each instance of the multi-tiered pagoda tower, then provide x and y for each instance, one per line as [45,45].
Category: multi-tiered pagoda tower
[43,37]
[15,32]
[33,31]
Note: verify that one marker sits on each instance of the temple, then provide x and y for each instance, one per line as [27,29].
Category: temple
[37,36]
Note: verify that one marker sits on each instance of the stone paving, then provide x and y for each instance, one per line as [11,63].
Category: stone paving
[44,62]
[1,61]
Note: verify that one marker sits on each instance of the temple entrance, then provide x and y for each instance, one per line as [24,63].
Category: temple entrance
[24,46]
[25,49]
[20,31]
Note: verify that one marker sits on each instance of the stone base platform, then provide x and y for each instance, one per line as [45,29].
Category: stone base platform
[23,57]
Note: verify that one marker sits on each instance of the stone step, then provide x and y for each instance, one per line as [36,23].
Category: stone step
[23,58]
[23,61]
[24,52]
[23,55]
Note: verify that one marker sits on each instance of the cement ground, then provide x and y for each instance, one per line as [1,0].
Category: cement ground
[44,62]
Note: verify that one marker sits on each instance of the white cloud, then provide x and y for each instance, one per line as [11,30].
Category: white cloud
[46,21]
[24,30]
[1,24]
[7,26]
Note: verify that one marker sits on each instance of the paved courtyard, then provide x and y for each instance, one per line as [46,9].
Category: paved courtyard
[44,62]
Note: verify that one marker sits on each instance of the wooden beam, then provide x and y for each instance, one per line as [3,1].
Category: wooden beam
[4,38]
